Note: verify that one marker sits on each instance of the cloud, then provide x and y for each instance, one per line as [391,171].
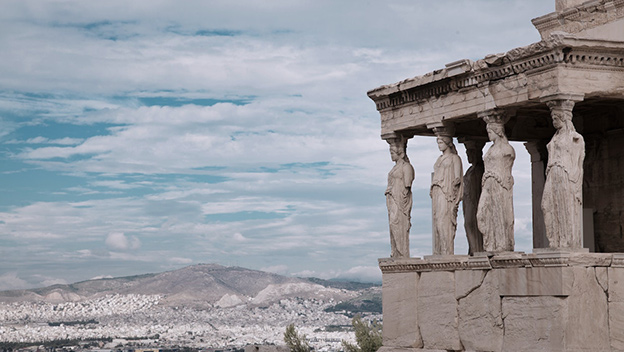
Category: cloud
[10,281]
[362,273]
[238,237]
[43,140]
[178,260]
[276,269]
[357,273]
[212,129]
[120,242]
[52,281]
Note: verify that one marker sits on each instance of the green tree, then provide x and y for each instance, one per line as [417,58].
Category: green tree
[294,341]
[367,336]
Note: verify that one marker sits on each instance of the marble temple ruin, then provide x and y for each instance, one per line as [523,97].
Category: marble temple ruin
[564,98]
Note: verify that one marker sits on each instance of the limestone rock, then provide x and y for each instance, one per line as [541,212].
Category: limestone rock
[536,281]
[590,259]
[616,284]
[467,281]
[602,277]
[587,327]
[400,295]
[437,311]
[616,325]
[534,323]
[616,308]
[480,317]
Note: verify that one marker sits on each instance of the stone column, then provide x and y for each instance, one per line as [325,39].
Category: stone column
[562,200]
[399,197]
[472,192]
[446,191]
[495,214]
[539,158]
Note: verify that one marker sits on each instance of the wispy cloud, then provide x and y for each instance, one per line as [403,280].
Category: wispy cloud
[181,132]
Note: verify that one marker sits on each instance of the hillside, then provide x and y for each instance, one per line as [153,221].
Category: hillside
[200,306]
[202,284]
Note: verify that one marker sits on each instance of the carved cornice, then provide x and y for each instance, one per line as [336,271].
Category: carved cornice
[585,16]
[557,50]
[506,260]
[498,263]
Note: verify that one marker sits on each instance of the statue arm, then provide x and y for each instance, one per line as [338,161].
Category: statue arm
[408,175]
[457,180]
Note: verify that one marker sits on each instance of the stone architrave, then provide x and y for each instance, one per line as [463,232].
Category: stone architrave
[399,198]
[472,192]
[495,214]
[562,201]
[446,193]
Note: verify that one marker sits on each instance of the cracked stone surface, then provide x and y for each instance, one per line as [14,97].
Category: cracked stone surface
[400,295]
[480,318]
[602,277]
[534,323]
[437,311]
[587,327]
[616,325]
[536,281]
[467,281]
[616,308]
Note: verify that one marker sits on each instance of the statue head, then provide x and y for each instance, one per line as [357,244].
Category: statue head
[398,148]
[474,151]
[446,143]
[561,113]
[495,130]
[561,118]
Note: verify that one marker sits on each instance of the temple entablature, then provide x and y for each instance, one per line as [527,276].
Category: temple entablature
[602,19]
[516,80]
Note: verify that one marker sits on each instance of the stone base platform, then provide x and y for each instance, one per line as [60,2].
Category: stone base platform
[546,301]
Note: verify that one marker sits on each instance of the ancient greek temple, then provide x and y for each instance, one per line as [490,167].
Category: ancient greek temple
[563,97]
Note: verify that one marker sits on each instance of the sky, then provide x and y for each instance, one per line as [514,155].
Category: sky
[148,135]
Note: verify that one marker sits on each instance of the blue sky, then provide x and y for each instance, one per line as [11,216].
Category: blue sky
[144,136]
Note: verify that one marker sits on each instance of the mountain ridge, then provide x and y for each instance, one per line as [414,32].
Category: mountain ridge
[196,285]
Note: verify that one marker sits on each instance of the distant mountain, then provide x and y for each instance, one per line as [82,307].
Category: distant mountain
[197,285]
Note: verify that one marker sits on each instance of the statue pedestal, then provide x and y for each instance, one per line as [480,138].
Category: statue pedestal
[546,301]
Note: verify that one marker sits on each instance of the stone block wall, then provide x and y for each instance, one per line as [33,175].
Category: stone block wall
[518,302]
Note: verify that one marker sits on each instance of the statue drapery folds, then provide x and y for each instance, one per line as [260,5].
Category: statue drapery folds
[495,214]
[562,201]
[446,193]
[399,198]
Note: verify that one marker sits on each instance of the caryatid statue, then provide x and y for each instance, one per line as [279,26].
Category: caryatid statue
[495,214]
[446,193]
[562,201]
[472,192]
[399,197]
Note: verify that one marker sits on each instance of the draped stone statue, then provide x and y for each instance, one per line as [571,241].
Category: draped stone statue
[562,201]
[446,193]
[472,192]
[495,214]
[399,198]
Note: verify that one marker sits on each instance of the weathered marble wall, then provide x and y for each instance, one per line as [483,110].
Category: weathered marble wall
[522,302]
[603,185]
